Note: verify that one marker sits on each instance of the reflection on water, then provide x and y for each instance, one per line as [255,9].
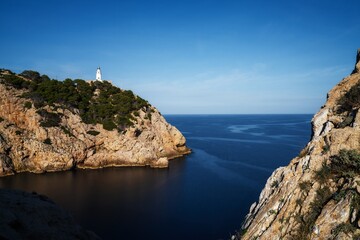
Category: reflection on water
[202,196]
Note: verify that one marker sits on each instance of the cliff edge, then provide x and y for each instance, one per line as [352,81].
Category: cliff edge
[47,125]
[317,196]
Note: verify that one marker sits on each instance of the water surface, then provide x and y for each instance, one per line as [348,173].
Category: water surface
[204,195]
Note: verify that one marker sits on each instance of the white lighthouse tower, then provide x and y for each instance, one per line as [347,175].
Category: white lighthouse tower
[98,74]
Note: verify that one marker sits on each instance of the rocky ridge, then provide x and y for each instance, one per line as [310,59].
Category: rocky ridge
[317,196]
[26,145]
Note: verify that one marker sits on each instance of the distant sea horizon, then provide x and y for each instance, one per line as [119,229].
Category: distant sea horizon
[204,195]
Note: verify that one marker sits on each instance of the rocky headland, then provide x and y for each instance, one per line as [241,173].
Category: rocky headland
[317,196]
[48,125]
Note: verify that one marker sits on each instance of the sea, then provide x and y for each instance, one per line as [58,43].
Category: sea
[204,195]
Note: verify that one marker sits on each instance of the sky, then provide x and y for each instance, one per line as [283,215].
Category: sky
[190,56]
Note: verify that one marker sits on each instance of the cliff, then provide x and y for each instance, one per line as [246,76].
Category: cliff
[48,125]
[317,196]
[32,216]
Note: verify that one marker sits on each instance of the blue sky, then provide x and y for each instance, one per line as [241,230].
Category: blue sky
[190,56]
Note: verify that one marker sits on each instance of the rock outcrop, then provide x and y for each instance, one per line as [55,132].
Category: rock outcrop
[32,216]
[317,196]
[27,145]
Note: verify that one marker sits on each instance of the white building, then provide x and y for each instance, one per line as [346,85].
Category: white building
[98,74]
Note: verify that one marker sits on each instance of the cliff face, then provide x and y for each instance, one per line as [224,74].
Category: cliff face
[317,196]
[27,145]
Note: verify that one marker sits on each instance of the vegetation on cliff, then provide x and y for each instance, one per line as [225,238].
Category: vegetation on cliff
[342,169]
[348,104]
[97,102]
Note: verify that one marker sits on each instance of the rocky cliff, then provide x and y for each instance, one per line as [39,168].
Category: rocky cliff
[41,134]
[317,196]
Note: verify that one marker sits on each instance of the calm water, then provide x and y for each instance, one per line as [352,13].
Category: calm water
[204,195]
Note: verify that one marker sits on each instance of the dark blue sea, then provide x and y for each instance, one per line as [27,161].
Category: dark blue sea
[204,195]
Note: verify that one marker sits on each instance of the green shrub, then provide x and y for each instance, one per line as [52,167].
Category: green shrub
[49,119]
[17,132]
[15,81]
[305,186]
[93,132]
[323,174]
[67,131]
[28,105]
[343,228]
[109,125]
[351,100]
[48,141]
[346,163]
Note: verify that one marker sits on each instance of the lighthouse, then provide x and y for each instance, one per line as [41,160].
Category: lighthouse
[98,74]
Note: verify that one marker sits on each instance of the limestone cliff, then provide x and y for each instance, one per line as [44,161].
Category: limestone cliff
[317,196]
[29,143]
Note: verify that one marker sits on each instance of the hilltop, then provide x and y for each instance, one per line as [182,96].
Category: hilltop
[49,125]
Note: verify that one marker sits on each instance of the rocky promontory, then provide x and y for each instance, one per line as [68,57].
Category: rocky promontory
[48,125]
[317,196]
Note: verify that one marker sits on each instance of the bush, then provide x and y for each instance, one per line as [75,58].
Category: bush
[343,228]
[109,125]
[15,81]
[49,119]
[67,131]
[17,132]
[305,186]
[323,174]
[28,105]
[346,163]
[1,119]
[351,100]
